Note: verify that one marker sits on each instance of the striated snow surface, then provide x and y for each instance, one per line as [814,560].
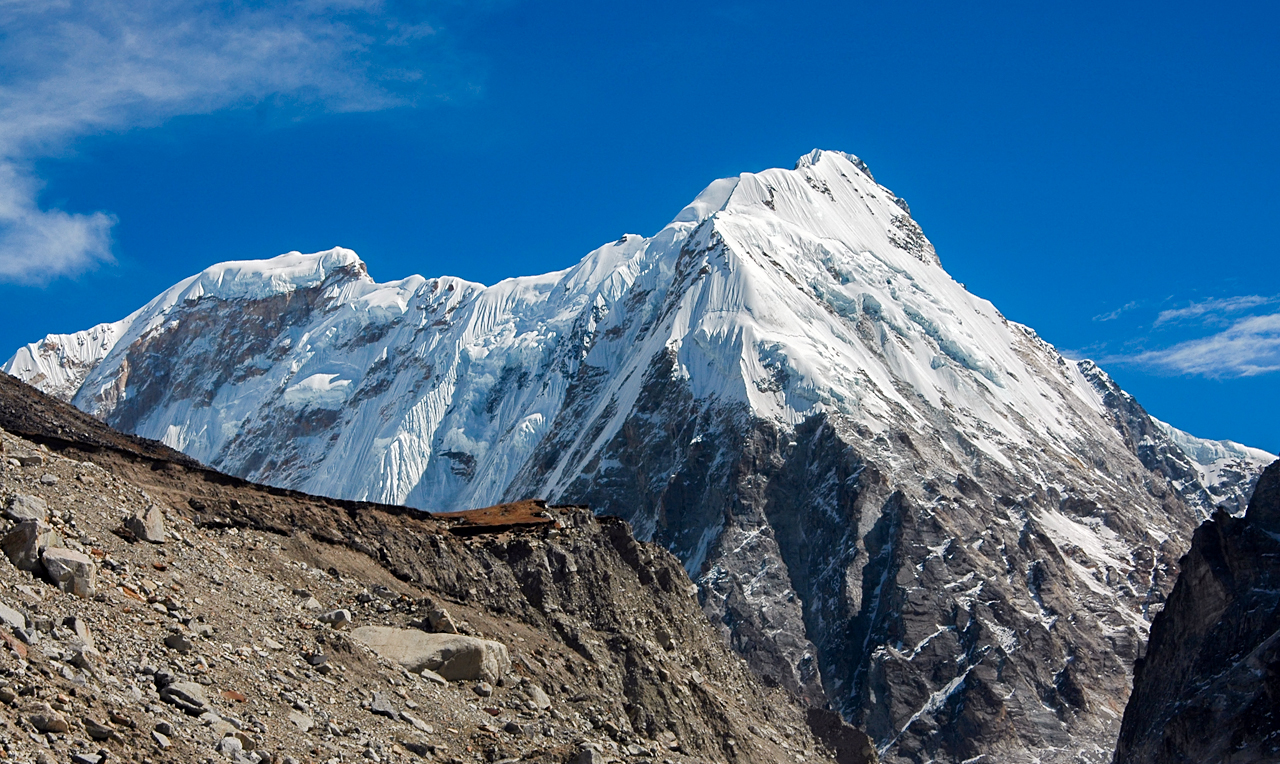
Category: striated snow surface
[59,363]
[755,286]
[785,259]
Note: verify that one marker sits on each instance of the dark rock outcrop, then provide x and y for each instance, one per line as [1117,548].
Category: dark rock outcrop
[997,612]
[1209,687]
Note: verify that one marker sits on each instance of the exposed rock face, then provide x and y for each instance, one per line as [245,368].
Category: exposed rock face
[1207,474]
[1208,689]
[992,614]
[892,498]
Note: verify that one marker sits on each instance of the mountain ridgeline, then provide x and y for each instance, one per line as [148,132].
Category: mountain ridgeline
[893,499]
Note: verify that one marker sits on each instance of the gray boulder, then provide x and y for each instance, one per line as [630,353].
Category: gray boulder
[179,643]
[538,697]
[417,723]
[382,706]
[147,524]
[439,620]
[434,678]
[97,730]
[187,696]
[72,571]
[24,544]
[80,628]
[21,507]
[452,656]
[12,618]
[45,719]
[336,618]
[301,721]
[230,747]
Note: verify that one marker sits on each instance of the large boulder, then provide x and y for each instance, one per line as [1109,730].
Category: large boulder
[12,618]
[72,571]
[26,542]
[20,507]
[45,719]
[147,524]
[336,618]
[80,628]
[453,656]
[187,696]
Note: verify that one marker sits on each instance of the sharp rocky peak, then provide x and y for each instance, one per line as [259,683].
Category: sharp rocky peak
[894,499]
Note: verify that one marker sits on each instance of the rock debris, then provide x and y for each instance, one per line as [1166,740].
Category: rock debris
[149,614]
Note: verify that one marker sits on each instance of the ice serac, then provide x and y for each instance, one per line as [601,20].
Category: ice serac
[894,499]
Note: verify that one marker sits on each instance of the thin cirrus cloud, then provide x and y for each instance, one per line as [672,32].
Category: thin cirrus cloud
[1113,315]
[1248,347]
[1215,310]
[82,67]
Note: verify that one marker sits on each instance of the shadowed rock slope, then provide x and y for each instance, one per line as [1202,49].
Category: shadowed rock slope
[1209,687]
[238,633]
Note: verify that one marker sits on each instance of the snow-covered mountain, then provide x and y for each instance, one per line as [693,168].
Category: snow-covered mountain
[892,497]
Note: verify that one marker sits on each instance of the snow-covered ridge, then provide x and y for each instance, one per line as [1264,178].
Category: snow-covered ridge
[59,363]
[783,386]
[257,279]
[1218,463]
[1208,452]
[756,286]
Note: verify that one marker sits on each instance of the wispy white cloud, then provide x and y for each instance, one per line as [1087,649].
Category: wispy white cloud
[1249,347]
[1113,315]
[1214,310]
[81,67]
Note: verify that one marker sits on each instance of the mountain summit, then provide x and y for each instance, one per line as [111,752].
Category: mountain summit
[894,499]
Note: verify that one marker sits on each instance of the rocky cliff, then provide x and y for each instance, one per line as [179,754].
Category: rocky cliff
[219,619]
[1209,686]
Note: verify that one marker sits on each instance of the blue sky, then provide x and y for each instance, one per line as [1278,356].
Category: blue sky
[1103,174]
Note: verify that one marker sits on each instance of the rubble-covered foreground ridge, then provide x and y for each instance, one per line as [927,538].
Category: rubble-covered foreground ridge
[892,498]
[252,625]
[1209,687]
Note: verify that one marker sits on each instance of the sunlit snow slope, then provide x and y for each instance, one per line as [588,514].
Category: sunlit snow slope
[869,469]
